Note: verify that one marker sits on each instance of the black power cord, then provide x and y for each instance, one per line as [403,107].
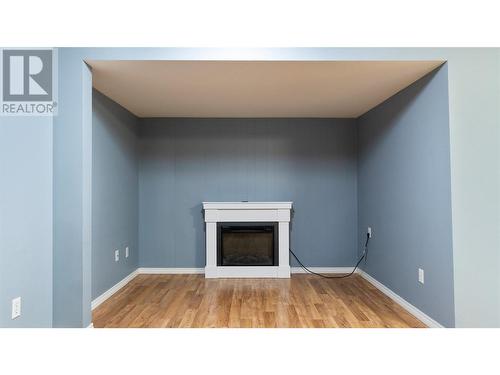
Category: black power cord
[363,256]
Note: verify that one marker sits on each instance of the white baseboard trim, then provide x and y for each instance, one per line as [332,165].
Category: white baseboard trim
[424,318]
[322,269]
[180,271]
[115,288]
[91,325]
[169,271]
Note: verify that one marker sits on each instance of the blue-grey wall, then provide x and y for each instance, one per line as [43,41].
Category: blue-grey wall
[311,162]
[72,204]
[26,220]
[404,194]
[114,193]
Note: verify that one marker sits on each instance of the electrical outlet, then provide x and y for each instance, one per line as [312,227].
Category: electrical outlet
[16,307]
[117,255]
[369,231]
[126,252]
[421,275]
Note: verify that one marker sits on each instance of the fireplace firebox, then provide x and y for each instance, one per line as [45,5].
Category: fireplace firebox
[247,244]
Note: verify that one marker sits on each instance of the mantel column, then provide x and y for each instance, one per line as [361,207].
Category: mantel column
[211,243]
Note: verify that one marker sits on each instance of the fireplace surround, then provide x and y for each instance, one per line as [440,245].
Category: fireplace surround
[247,239]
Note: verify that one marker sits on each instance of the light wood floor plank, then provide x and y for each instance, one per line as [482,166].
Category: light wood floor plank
[303,301]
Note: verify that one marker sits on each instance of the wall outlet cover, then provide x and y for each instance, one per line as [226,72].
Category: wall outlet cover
[126,252]
[16,307]
[117,255]
[421,275]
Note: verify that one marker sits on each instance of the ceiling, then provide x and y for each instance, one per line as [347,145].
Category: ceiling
[254,88]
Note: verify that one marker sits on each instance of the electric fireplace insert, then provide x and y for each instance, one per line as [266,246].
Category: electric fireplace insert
[247,244]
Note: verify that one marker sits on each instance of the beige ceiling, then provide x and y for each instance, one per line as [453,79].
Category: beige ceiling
[254,88]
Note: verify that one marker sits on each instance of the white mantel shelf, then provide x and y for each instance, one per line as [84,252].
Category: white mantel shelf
[216,212]
[247,205]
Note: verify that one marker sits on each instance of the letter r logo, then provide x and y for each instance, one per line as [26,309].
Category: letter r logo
[27,75]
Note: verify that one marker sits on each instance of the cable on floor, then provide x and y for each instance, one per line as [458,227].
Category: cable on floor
[363,256]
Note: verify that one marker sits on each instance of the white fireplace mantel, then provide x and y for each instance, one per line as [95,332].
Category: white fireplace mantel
[216,212]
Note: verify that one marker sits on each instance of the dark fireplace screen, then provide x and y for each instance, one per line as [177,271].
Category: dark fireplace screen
[247,244]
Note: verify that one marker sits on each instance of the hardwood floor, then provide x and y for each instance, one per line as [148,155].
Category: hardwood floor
[302,301]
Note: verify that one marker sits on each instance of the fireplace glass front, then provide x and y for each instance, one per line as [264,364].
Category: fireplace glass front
[247,244]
